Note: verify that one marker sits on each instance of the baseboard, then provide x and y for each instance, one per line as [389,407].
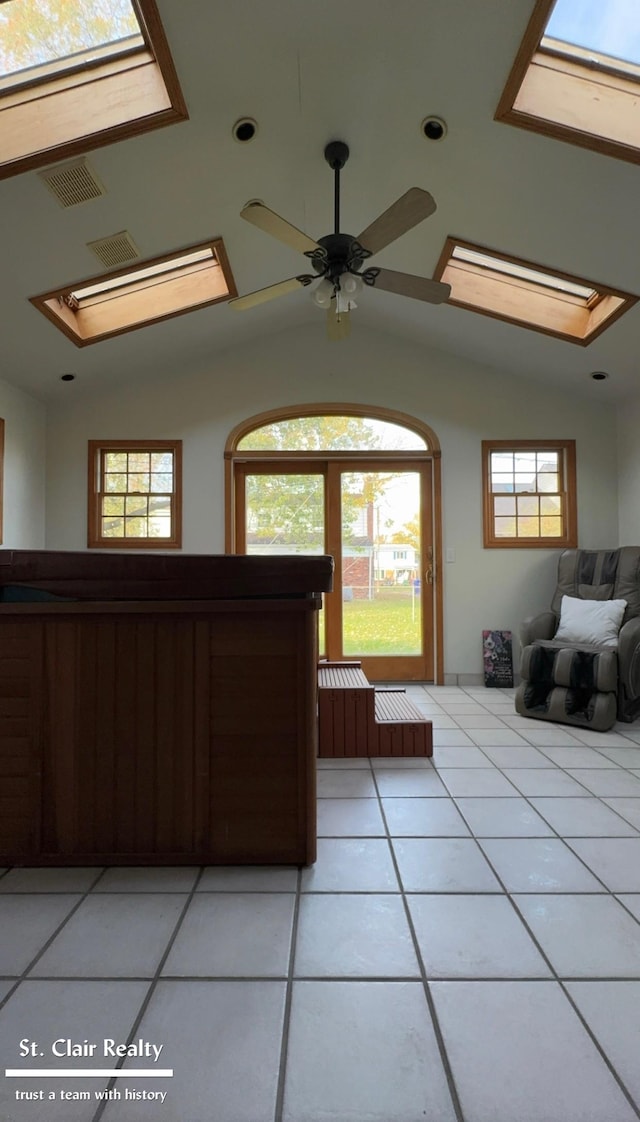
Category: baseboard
[465,681]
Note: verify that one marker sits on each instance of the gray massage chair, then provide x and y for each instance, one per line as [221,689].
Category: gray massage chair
[580,684]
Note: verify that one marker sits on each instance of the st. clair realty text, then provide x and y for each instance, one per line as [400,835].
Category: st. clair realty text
[65,1047]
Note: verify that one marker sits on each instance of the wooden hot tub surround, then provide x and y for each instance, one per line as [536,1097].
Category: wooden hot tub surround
[164,714]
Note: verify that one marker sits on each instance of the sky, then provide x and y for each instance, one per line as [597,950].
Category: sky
[33,32]
[610,27]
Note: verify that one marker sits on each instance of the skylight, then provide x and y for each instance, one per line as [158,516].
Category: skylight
[105,306]
[611,29]
[57,57]
[577,75]
[164,270]
[508,288]
[509,268]
[34,34]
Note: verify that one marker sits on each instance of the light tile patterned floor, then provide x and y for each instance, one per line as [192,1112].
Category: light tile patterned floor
[466,948]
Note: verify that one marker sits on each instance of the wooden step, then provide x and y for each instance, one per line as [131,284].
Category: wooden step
[402,729]
[345,710]
[356,720]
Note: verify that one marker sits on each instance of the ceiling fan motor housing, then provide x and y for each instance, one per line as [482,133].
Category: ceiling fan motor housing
[341,254]
[336,154]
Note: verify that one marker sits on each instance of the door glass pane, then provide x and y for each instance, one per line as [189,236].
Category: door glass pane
[381,564]
[285,514]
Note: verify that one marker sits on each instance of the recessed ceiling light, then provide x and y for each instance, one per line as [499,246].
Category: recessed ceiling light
[599,375]
[434,128]
[245,129]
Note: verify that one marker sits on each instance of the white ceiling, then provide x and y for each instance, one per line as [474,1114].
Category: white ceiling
[309,71]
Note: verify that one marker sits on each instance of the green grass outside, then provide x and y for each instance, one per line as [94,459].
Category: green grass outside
[381,627]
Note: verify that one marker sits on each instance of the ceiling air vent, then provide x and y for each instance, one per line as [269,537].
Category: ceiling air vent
[117,249]
[73,182]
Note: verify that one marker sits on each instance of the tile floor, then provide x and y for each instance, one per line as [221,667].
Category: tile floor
[466,949]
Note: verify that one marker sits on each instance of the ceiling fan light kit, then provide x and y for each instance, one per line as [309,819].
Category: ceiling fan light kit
[339,260]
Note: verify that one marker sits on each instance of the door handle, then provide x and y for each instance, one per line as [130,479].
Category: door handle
[430,574]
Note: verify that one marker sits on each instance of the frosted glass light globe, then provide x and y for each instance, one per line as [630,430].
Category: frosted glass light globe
[323,294]
[350,284]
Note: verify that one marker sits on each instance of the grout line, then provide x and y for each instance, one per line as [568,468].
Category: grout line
[82,897]
[177,979]
[444,1058]
[557,978]
[608,892]
[288,998]
[557,836]
[153,983]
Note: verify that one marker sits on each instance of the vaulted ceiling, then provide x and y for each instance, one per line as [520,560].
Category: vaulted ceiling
[367,72]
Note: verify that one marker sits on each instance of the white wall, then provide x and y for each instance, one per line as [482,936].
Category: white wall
[629,473]
[464,403]
[24,467]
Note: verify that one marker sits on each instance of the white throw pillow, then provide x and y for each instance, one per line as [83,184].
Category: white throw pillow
[596,622]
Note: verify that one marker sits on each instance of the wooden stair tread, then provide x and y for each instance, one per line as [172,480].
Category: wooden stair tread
[342,678]
[396,707]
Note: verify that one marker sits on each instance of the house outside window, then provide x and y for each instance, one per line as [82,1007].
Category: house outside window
[529,494]
[135,498]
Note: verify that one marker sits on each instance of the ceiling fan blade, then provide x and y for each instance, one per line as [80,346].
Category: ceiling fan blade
[278,227]
[261,295]
[338,326]
[420,288]
[407,211]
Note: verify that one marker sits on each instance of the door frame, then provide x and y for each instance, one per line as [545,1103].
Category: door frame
[396,667]
[238,461]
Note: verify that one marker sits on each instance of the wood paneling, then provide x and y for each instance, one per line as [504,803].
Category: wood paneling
[169,733]
[20,760]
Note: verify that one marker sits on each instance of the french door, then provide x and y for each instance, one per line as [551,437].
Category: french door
[374,517]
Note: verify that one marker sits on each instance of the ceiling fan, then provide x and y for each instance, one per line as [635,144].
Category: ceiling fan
[338,259]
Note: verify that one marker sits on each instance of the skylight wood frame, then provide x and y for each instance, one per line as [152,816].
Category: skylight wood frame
[566,493]
[572,94]
[526,304]
[47,120]
[139,304]
[97,492]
